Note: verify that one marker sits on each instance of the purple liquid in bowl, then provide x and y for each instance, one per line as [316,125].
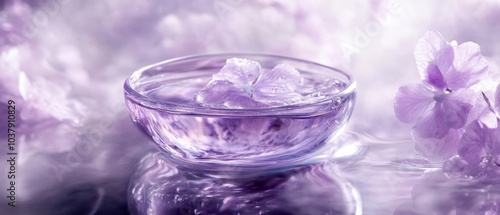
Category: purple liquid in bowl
[160,100]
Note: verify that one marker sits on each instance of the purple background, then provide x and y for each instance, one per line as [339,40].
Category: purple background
[64,62]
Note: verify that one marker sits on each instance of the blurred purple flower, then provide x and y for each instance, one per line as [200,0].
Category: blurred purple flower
[243,83]
[12,23]
[46,109]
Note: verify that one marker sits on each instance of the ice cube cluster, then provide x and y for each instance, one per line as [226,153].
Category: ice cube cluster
[243,83]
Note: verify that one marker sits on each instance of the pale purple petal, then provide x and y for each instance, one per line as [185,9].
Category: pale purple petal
[278,85]
[435,77]
[225,94]
[432,125]
[488,118]
[469,66]
[249,86]
[438,149]
[493,142]
[473,142]
[241,72]
[480,148]
[49,98]
[412,101]
[451,111]
[497,98]
[456,107]
[434,57]
[216,93]
[282,77]
[13,27]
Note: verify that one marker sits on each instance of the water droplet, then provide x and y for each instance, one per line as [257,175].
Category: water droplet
[316,94]
[336,103]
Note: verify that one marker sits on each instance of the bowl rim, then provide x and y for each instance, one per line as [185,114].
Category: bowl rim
[177,108]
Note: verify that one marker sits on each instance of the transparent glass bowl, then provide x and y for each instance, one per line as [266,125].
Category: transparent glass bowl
[159,98]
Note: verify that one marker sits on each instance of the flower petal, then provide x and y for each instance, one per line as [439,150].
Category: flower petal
[278,85]
[224,94]
[434,57]
[241,72]
[216,93]
[435,77]
[497,98]
[412,101]
[456,107]
[451,111]
[282,78]
[472,144]
[432,125]
[488,118]
[438,149]
[469,66]
[494,142]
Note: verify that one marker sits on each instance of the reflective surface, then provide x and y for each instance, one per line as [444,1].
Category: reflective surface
[388,175]
[393,179]
[161,187]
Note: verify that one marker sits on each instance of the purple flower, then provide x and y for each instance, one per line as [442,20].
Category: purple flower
[243,83]
[478,152]
[13,30]
[479,147]
[443,101]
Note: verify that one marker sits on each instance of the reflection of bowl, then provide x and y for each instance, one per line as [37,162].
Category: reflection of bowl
[160,187]
[160,100]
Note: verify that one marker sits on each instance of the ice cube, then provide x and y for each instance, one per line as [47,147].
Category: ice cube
[241,72]
[277,86]
[242,83]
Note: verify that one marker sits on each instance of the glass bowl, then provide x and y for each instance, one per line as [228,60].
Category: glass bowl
[160,99]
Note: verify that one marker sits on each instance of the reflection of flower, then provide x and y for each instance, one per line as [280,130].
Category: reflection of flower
[443,101]
[243,83]
[436,194]
[479,147]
